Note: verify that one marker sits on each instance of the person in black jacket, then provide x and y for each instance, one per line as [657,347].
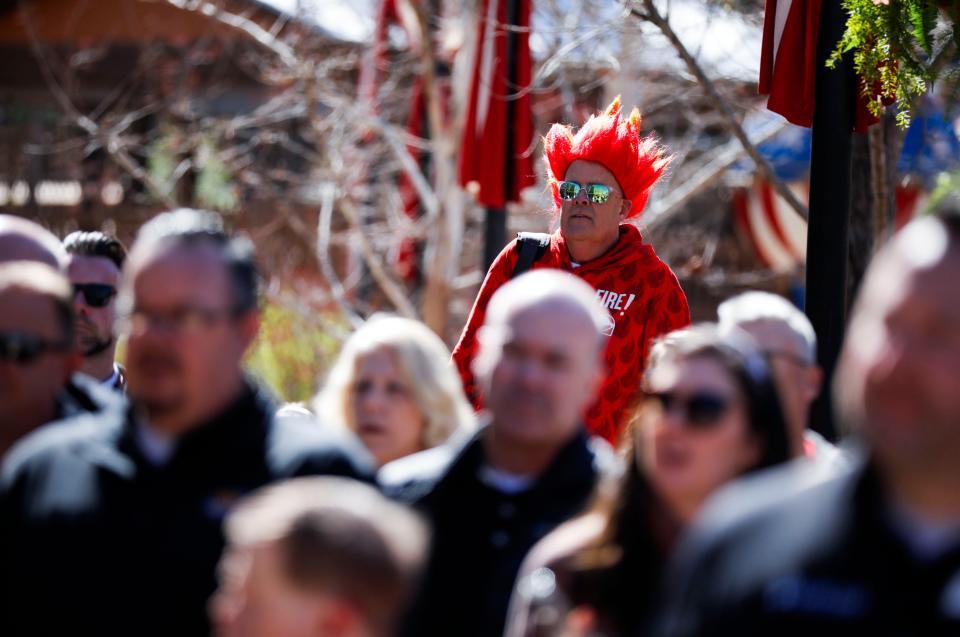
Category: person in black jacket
[37,356]
[113,521]
[94,260]
[876,549]
[490,498]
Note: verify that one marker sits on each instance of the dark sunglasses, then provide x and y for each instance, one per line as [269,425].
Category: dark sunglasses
[700,410]
[20,348]
[596,193]
[95,294]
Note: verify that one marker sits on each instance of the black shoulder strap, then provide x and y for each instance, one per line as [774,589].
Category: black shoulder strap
[530,247]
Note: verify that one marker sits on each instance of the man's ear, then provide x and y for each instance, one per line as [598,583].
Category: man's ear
[486,346]
[814,380]
[338,618]
[249,327]
[625,205]
[599,375]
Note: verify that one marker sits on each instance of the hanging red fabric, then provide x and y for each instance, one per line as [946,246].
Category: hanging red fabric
[498,135]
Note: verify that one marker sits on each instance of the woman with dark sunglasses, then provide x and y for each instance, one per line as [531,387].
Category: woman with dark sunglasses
[710,414]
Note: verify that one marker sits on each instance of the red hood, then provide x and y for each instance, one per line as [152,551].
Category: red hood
[628,249]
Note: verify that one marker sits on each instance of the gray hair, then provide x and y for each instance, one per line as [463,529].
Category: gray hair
[185,227]
[749,307]
[546,285]
[543,286]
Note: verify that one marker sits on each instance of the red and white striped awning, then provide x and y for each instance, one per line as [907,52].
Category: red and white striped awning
[778,235]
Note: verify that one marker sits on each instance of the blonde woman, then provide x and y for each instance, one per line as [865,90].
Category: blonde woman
[394,387]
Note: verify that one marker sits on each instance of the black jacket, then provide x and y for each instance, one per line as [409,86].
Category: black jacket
[820,560]
[83,394]
[108,544]
[481,535]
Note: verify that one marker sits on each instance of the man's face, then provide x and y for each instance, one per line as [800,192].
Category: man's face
[583,221]
[186,343]
[256,598]
[28,389]
[798,381]
[546,376]
[899,373]
[94,325]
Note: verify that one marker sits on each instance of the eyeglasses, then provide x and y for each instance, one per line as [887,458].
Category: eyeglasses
[700,410]
[22,349]
[95,294]
[596,193]
[181,320]
[797,360]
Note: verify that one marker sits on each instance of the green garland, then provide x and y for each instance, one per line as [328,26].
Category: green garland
[899,47]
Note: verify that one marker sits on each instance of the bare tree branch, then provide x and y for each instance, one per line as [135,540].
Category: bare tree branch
[704,176]
[259,35]
[108,140]
[651,14]
[328,195]
[393,290]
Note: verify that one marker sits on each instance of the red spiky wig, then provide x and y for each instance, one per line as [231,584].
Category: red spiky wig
[636,162]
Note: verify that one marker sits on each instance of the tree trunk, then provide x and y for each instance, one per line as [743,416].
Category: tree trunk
[872,195]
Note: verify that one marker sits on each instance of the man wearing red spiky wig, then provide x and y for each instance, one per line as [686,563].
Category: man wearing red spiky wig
[597,241]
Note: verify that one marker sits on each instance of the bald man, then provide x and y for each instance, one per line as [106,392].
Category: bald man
[37,355]
[24,240]
[532,467]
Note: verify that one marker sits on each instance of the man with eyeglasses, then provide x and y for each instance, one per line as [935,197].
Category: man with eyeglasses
[600,179]
[94,260]
[114,520]
[785,336]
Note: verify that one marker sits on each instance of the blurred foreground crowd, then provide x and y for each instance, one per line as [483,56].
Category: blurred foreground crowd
[627,474]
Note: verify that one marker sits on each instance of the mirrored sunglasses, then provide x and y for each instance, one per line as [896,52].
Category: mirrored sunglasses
[95,294]
[700,410]
[596,193]
[22,349]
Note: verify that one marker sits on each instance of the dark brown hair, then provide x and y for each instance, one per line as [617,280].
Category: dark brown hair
[95,244]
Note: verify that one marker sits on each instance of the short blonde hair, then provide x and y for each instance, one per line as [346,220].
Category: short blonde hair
[424,364]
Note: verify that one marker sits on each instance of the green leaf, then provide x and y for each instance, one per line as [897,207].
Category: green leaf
[917,12]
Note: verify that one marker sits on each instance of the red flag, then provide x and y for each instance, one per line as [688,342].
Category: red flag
[788,62]
[788,58]
[498,137]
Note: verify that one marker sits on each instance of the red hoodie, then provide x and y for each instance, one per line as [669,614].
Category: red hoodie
[638,289]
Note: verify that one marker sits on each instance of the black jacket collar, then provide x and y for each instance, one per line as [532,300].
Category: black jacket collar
[237,432]
[575,463]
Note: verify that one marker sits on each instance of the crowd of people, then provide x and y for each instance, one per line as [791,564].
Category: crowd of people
[620,473]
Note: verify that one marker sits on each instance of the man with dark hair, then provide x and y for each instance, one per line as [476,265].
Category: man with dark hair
[317,557]
[94,261]
[876,549]
[532,467]
[114,521]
